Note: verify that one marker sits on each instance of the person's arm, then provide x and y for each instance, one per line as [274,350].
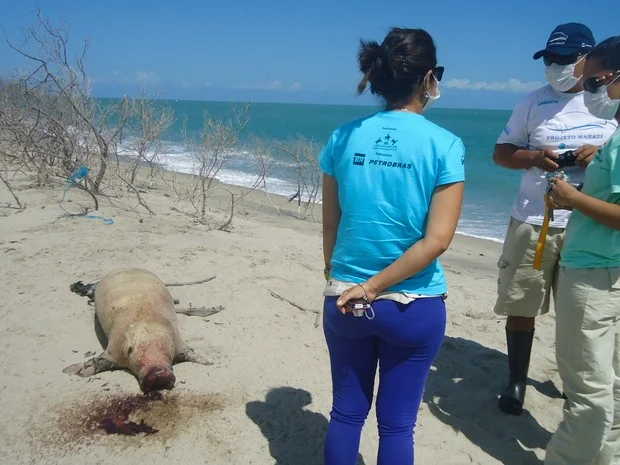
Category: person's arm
[606,213]
[331,205]
[331,217]
[512,157]
[442,222]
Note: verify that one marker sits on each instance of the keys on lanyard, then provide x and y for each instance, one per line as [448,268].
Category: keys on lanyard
[542,236]
[548,201]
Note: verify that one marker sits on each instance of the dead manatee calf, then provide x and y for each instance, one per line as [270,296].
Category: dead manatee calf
[136,313]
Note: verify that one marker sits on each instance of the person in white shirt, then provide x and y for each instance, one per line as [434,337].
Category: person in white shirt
[549,129]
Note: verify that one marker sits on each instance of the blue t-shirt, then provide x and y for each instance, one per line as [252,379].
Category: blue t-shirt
[387,166]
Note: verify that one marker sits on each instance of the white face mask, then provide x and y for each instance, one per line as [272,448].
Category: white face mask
[600,104]
[430,99]
[561,77]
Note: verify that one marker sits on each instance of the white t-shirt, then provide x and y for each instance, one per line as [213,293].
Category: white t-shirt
[557,121]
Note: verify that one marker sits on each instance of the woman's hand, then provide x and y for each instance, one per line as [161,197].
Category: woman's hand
[563,193]
[585,154]
[357,292]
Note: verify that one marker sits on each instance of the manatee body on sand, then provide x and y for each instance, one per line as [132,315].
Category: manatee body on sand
[136,313]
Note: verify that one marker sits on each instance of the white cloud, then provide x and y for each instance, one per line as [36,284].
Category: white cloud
[511,85]
[147,77]
[271,85]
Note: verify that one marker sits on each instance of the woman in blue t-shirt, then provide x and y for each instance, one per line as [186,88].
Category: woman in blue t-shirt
[392,196]
[588,295]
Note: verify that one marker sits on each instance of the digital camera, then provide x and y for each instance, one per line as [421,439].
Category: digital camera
[567,159]
[357,307]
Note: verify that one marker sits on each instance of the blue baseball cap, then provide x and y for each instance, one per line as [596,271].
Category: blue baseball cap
[568,39]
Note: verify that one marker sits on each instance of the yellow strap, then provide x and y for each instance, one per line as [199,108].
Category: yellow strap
[542,238]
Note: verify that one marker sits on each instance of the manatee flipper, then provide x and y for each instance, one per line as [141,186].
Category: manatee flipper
[92,366]
[202,311]
[189,355]
[84,290]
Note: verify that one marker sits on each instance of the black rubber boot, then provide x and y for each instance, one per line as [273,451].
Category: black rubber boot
[519,345]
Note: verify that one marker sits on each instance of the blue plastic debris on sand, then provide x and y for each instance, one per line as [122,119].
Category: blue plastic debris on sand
[75,179]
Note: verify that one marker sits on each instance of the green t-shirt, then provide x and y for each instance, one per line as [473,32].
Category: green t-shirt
[589,244]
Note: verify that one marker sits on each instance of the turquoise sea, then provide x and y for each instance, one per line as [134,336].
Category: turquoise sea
[489,192]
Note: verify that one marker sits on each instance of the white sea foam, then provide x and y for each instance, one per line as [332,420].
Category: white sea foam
[241,171]
[478,236]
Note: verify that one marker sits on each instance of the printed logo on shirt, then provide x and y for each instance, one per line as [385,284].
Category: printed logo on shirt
[563,127]
[583,127]
[575,137]
[507,130]
[386,142]
[359,159]
[540,103]
[390,164]
[593,132]
[564,146]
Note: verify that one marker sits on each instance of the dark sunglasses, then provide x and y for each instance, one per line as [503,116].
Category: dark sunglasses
[560,60]
[593,83]
[438,72]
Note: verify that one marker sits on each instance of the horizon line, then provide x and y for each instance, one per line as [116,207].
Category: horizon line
[268,102]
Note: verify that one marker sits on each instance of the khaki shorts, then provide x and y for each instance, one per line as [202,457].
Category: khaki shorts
[522,290]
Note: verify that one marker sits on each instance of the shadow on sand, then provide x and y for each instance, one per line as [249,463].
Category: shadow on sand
[296,436]
[462,392]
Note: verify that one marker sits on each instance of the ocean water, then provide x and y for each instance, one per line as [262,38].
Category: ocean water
[489,190]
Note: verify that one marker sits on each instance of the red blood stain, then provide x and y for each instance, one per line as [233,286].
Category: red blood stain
[113,418]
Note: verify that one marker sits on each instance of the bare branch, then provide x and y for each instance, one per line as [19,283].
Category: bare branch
[11,191]
[227,225]
[191,283]
[299,307]
[203,312]
[305,160]
[135,191]
[219,140]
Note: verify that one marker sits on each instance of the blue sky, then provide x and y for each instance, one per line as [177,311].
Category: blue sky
[289,51]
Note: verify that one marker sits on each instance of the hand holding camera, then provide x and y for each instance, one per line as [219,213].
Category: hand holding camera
[357,306]
[546,160]
[549,161]
[358,300]
[566,159]
[585,154]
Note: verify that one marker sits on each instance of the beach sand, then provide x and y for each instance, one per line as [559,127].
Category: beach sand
[266,399]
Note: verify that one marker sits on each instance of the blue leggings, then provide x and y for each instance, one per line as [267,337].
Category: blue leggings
[404,340]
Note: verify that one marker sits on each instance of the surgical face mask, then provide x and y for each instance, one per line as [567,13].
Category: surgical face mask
[561,77]
[600,104]
[430,99]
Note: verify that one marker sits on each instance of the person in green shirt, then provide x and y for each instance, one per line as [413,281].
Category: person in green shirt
[587,304]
